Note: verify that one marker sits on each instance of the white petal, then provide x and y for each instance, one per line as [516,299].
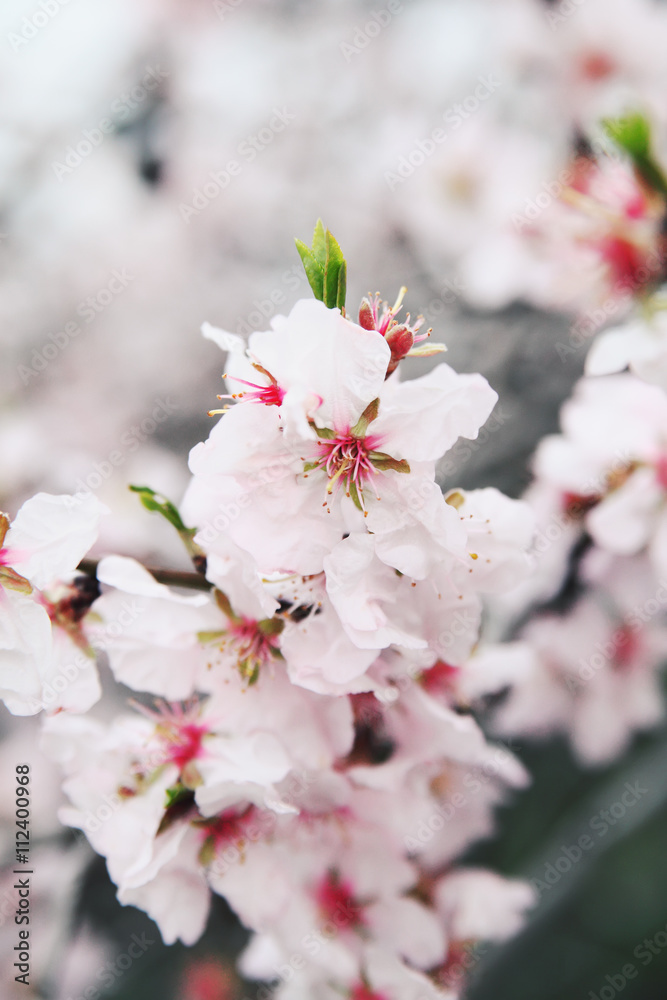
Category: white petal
[52,534]
[611,352]
[228,342]
[421,419]
[327,355]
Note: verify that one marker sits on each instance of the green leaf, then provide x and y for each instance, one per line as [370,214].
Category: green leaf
[342,286]
[180,801]
[320,243]
[332,271]
[314,270]
[176,794]
[159,504]
[156,502]
[632,134]
[325,267]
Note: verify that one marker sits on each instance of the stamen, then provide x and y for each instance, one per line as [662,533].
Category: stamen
[269,395]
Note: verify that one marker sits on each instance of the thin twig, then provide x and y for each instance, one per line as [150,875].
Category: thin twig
[171,577]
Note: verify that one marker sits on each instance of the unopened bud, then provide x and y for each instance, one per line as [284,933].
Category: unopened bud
[366,317]
[400,340]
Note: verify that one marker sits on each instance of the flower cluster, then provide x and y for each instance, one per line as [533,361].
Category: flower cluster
[298,743]
[48,657]
[592,625]
[301,739]
[598,640]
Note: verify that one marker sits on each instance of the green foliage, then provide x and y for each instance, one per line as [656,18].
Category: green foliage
[325,267]
[632,134]
[159,504]
[177,793]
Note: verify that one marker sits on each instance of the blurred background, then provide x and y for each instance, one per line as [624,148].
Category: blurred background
[157,158]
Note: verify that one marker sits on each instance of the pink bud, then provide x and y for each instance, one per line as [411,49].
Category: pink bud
[366,315]
[400,340]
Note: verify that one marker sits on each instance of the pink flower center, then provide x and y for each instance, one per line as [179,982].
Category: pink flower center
[178,733]
[624,260]
[661,471]
[346,461]
[597,66]
[230,827]
[252,644]
[460,957]
[208,979]
[69,606]
[335,898]
[627,648]
[363,992]
[440,678]
[575,505]
[9,578]
[182,743]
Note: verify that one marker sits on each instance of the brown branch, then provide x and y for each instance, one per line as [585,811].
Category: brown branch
[171,577]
